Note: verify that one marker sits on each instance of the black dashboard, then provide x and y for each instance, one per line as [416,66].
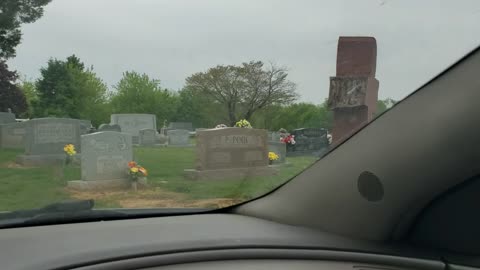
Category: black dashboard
[226,241]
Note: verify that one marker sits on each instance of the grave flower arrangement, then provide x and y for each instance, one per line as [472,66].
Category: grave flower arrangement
[136,172]
[272,156]
[289,140]
[243,124]
[70,151]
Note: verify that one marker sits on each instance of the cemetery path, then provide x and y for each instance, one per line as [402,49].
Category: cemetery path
[149,198]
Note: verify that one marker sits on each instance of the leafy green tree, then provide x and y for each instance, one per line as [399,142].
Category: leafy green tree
[138,93]
[13,14]
[30,92]
[201,110]
[298,115]
[383,105]
[67,89]
[243,90]
[11,97]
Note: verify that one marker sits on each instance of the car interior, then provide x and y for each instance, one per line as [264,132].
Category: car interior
[400,193]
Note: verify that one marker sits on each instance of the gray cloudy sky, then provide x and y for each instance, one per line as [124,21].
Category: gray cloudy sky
[169,40]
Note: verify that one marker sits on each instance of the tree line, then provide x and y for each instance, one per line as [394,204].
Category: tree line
[261,93]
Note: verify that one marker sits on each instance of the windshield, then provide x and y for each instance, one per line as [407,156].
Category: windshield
[201,104]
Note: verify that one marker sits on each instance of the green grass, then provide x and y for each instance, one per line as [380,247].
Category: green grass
[22,188]
[166,167]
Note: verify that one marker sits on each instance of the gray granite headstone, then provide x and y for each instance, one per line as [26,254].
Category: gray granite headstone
[308,141]
[133,123]
[274,136]
[45,139]
[106,155]
[108,127]
[7,117]
[12,135]
[45,136]
[85,126]
[278,148]
[147,136]
[230,153]
[178,137]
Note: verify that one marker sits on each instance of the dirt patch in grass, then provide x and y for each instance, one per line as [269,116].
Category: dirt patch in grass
[150,198]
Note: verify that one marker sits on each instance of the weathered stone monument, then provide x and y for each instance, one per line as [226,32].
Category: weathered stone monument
[133,123]
[178,137]
[7,117]
[231,153]
[105,160]
[45,139]
[12,135]
[147,137]
[354,90]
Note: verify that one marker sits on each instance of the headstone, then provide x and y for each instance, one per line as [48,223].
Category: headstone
[274,136]
[108,127]
[133,123]
[353,91]
[105,160]
[178,137]
[7,117]
[45,139]
[308,141]
[148,136]
[181,125]
[231,153]
[85,126]
[12,135]
[278,148]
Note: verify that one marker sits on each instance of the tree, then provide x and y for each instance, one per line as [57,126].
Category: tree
[67,89]
[13,14]
[298,115]
[245,89]
[11,97]
[30,92]
[137,93]
[383,105]
[201,110]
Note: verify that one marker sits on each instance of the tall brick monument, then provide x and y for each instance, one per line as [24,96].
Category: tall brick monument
[354,90]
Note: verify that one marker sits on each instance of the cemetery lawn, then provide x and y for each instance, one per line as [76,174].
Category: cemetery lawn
[22,188]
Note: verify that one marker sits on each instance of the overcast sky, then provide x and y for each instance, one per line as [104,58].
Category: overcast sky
[170,40]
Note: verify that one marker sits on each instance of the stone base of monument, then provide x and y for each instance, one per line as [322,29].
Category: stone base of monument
[44,160]
[226,174]
[104,184]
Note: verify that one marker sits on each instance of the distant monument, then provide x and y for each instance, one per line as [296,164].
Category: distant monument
[354,90]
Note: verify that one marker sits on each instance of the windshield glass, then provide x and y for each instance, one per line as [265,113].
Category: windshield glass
[201,104]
